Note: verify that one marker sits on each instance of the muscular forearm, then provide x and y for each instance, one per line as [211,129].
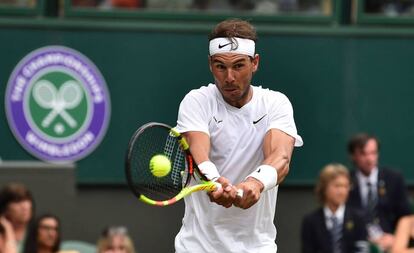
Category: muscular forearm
[277,150]
[281,163]
[199,145]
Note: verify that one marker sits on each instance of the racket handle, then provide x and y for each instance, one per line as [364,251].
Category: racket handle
[240,193]
[218,186]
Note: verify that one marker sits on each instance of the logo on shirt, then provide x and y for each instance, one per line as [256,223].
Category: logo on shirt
[216,120]
[257,121]
[57,104]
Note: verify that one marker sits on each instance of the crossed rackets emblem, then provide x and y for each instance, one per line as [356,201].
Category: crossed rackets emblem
[67,97]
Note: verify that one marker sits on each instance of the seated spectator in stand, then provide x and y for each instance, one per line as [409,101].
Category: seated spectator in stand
[17,206]
[333,228]
[115,240]
[378,191]
[404,236]
[7,237]
[110,4]
[43,235]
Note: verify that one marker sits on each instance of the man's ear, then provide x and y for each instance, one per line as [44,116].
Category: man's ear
[209,63]
[255,62]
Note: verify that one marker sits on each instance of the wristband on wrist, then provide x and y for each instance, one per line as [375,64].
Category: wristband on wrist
[267,175]
[209,170]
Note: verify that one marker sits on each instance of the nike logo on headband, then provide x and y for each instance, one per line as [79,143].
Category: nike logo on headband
[221,46]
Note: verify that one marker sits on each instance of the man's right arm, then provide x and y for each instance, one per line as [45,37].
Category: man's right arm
[199,143]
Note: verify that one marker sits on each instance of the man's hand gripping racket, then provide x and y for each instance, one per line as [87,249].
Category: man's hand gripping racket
[167,182]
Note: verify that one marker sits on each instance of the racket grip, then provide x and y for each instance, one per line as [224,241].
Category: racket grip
[240,193]
[218,186]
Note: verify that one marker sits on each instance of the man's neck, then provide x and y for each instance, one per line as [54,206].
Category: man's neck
[333,207]
[19,231]
[367,173]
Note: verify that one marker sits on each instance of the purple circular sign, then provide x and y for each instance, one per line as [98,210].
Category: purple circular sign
[57,104]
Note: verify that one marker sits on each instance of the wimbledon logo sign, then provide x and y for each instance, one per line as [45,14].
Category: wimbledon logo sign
[57,104]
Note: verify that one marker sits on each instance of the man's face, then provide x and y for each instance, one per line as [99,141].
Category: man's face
[48,233]
[233,74]
[337,190]
[19,212]
[366,158]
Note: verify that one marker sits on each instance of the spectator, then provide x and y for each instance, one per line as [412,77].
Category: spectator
[43,235]
[377,191]
[17,206]
[115,240]
[404,235]
[333,228]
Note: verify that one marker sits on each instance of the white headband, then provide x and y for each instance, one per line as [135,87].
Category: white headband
[238,46]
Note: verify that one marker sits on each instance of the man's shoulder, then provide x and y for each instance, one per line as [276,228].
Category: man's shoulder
[202,94]
[313,216]
[266,92]
[270,97]
[209,89]
[390,174]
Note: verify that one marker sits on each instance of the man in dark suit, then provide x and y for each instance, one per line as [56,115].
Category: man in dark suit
[377,191]
[334,228]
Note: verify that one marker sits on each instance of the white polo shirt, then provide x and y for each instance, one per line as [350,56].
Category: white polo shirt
[236,136]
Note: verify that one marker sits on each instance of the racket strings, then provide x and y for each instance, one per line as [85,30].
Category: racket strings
[153,141]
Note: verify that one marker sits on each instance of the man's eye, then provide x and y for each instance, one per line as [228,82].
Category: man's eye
[221,67]
[239,66]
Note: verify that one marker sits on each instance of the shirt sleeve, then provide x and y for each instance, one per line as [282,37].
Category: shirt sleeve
[281,117]
[193,113]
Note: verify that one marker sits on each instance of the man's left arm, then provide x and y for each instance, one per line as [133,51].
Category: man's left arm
[277,150]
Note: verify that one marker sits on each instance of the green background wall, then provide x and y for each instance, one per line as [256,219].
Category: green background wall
[340,81]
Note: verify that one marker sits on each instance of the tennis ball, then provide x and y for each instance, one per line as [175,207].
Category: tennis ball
[160,165]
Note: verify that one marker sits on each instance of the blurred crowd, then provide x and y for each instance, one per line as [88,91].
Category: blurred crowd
[366,209]
[390,7]
[268,6]
[22,231]
[386,7]
[307,7]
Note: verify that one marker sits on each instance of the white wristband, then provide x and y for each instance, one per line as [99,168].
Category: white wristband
[267,175]
[209,170]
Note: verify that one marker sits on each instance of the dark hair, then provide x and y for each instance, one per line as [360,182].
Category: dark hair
[231,28]
[14,192]
[31,244]
[359,141]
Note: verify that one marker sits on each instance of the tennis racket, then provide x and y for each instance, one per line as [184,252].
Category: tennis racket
[153,139]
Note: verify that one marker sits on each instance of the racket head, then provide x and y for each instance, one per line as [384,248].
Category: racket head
[149,140]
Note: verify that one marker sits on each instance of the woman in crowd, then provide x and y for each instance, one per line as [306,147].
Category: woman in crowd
[43,235]
[115,240]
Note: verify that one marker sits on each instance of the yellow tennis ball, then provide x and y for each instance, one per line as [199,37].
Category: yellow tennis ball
[160,165]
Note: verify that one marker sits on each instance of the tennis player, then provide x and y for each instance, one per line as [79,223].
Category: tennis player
[241,136]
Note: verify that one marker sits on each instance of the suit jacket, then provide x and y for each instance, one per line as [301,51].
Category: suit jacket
[393,202]
[317,239]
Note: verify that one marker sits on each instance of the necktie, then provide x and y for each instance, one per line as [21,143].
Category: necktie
[371,202]
[336,233]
